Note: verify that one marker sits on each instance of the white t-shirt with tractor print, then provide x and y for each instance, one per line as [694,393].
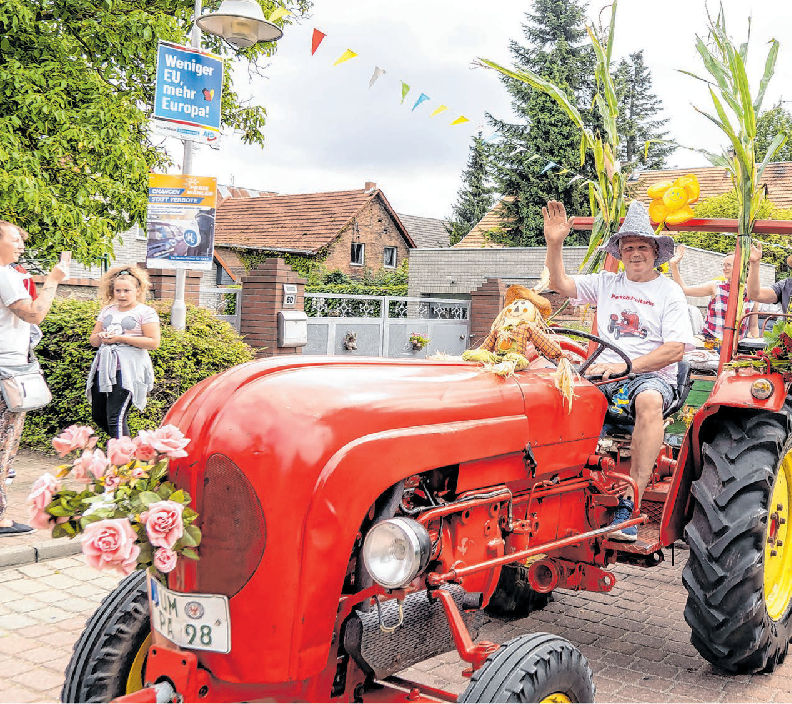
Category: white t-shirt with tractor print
[637,316]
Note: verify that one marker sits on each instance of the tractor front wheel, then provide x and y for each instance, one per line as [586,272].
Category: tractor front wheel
[538,667]
[109,657]
[739,573]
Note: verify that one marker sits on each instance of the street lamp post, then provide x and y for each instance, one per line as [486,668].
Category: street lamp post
[242,24]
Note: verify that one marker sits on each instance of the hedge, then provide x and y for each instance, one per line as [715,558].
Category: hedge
[184,358]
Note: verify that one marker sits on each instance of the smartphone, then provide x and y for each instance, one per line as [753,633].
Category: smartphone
[65,257]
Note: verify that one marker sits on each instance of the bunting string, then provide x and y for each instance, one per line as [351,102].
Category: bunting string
[317,37]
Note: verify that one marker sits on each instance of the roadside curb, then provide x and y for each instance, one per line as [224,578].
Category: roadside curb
[15,555]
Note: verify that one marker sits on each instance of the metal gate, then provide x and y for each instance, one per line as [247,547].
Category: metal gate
[380,326]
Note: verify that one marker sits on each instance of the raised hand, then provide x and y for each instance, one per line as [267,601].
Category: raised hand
[756,253]
[556,223]
[680,252]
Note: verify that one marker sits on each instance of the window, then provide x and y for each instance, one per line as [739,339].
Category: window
[358,255]
[389,259]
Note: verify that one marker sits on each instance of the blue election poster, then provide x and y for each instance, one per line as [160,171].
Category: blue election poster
[189,86]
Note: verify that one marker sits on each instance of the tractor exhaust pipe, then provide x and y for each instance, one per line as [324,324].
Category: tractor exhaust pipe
[423,634]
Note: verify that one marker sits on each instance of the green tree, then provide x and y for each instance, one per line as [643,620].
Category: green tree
[775,248]
[543,133]
[475,197]
[77,84]
[637,121]
[770,123]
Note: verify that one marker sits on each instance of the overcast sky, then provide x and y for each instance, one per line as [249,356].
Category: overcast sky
[327,130]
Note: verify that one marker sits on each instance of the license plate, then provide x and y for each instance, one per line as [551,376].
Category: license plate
[194,621]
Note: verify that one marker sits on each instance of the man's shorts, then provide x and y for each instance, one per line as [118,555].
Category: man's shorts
[621,394]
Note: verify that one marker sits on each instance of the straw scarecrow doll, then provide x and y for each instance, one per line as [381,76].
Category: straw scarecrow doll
[518,333]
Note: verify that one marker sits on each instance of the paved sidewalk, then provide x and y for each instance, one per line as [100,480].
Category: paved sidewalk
[38,545]
[635,637]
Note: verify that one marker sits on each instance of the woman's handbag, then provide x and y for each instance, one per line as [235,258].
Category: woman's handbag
[23,387]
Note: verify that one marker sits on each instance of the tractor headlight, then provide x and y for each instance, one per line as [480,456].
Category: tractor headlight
[762,389]
[395,551]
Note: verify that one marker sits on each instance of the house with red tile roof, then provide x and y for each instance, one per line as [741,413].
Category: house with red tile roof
[349,230]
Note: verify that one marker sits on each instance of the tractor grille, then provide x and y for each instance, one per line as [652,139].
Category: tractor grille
[233,527]
[653,511]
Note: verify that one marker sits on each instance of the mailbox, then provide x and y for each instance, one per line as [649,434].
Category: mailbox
[292,328]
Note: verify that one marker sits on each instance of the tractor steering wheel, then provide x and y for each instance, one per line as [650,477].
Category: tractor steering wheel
[602,345]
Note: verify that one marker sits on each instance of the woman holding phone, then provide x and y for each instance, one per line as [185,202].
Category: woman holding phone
[19,319]
[126,329]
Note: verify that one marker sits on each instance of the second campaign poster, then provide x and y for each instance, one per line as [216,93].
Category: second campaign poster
[180,221]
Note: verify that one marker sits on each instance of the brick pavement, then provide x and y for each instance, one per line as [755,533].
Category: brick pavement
[635,637]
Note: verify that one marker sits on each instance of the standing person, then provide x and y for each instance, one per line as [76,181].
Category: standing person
[718,291]
[126,329]
[643,313]
[19,319]
[779,292]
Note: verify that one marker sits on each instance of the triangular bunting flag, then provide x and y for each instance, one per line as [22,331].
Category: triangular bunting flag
[563,171]
[316,40]
[346,56]
[549,165]
[277,14]
[532,157]
[421,98]
[517,151]
[377,73]
[573,179]
[405,90]
[460,120]
[437,111]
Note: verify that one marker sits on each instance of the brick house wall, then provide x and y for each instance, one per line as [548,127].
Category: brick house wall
[376,229]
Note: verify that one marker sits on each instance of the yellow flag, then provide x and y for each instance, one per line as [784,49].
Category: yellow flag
[442,108]
[460,120]
[277,14]
[346,56]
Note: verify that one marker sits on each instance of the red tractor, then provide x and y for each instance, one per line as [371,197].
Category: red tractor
[629,325]
[358,514]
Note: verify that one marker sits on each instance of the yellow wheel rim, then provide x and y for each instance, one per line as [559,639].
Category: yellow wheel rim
[778,552]
[134,681]
[557,698]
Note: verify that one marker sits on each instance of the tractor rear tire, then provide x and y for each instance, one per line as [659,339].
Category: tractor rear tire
[739,604]
[538,667]
[513,596]
[109,658]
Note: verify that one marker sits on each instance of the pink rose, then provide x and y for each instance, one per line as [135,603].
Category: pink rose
[144,450]
[169,440]
[39,518]
[75,437]
[91,465]
[42,490]
[164,523]
[164,559]
[120,451]
[112,481]
[110,544]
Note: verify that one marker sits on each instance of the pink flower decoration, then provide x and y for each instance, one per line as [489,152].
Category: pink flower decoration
[39,518]
[110,544]
[75,437]
[42,490]
[112,481]
[144,450]
[164,559]
[95,463]
[168,440]
[120,451]
[164,523]
[138,473]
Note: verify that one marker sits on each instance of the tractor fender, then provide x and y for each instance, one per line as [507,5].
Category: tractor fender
[732,392]
[350,482]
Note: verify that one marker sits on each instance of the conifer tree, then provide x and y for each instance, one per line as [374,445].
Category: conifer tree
[637,122]
[768,125]
[555,34]
[475,197]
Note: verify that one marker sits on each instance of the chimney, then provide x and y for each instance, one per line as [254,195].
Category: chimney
[370,186]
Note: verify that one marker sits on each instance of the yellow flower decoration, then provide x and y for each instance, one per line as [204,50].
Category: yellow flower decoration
[671,200]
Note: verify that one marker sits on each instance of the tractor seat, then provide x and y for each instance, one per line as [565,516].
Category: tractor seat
[623,423]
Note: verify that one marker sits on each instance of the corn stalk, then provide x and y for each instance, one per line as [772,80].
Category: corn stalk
[606,193]
[735,115]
